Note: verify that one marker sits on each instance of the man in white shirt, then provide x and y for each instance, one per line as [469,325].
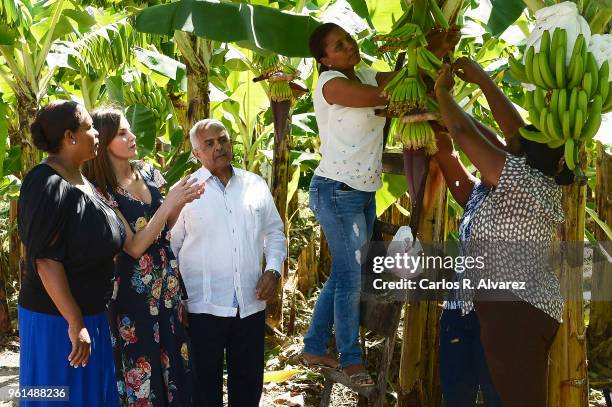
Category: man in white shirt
[219,241]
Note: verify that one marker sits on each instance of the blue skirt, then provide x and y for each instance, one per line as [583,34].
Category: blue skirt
[43,360]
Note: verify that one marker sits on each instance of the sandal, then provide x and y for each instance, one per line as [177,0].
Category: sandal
[319,364]
[360,379]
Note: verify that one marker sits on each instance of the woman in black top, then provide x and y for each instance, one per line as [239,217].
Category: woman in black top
[71,237]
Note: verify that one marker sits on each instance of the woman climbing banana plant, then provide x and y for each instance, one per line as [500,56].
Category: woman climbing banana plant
[342,191]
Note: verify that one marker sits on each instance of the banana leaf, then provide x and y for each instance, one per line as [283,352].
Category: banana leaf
[503,14]
[256,27]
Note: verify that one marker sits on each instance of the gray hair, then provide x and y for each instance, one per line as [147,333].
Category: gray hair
[204,125]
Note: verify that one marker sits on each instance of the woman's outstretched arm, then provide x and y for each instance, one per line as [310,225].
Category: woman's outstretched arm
[503,110]
[458,179]
[344,92]
[488,158]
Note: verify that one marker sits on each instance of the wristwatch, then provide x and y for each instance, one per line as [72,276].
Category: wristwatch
[275,272]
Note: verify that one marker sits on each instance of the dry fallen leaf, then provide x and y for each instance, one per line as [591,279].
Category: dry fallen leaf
[280,376]
[290,399]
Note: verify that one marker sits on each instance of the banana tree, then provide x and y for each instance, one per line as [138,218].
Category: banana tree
[599,332]
[196,24]
[251,26]
[99,53]
[242,106]
[410,104]
[24,49]
[196,53]
[279,75]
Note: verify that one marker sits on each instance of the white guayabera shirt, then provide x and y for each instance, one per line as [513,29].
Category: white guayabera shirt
[351,137]
[219,241]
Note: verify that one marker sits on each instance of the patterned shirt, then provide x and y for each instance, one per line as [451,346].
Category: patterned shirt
[513,229]
[477,196]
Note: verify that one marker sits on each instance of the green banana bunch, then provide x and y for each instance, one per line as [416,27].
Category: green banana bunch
[405,95]
[144,92]
[563,117]
[267,64]
[280,91]
[428,62]
[408,94]
[569,99]
[415,135]
[401,38]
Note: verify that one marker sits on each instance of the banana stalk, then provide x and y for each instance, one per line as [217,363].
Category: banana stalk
[278,74]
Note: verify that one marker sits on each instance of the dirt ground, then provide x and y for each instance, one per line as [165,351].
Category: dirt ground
[302,390]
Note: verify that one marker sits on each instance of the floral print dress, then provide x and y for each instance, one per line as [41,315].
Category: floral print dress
[146,312]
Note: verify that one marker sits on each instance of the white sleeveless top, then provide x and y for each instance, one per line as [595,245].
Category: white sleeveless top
[351,137]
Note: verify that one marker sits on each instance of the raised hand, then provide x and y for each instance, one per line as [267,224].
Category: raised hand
[469,71]
[186,191]
[441,42]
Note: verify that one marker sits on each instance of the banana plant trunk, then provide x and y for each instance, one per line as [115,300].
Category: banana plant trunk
[281,114]
[599,332]
[419,383]
[5,317]
[196,56]
[198,98]
[26,108]
[567,382]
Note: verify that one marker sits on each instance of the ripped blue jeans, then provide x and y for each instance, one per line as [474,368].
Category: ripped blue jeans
[347,218]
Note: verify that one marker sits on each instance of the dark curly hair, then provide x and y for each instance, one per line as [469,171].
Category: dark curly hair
[546,159]
[51,123]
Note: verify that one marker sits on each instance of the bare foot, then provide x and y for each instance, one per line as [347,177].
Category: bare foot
[314,360]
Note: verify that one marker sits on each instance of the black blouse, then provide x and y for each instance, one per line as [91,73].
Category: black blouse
[59,221]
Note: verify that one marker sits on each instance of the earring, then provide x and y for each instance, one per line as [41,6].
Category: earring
[73,141]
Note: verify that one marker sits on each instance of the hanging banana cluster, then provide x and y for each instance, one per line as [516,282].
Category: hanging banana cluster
[401,38]
[267,65]
[280,91]
[428,62]
[407,91]
[568,101]
[415,135]
[144,92]
[278,74]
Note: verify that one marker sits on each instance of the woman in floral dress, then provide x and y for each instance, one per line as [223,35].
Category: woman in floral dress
[146,313]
